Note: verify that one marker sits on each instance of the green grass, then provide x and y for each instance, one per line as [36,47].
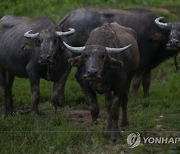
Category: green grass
[56,9]
[70,133]
[29,134]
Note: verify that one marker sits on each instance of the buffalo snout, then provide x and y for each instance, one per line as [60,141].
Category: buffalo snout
[92,74]
[174,42]
[44,58]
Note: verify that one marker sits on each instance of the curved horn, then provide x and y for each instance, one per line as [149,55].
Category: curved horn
[71,30]
[28,35]
[160,24]
[74,49]
[117,50]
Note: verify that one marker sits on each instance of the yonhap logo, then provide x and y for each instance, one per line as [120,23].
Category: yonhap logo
[133,140]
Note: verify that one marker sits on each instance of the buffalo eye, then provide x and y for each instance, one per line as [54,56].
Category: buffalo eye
[38,41]
[85,55]
[55,41]
[103,56]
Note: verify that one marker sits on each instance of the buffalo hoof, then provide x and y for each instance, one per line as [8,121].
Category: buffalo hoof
[124,124]
[8,112]
[115,136]
[55,105]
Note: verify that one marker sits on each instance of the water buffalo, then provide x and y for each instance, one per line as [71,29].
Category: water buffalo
[174,36]
[104,68]
[32,48]
[152,40]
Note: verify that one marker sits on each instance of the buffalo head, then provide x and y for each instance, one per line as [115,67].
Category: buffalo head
[174,35]
[49,42]
[95,59]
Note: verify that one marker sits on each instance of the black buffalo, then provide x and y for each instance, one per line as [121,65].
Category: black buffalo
[152,40]
[104,68]
[32,48]
[174,36]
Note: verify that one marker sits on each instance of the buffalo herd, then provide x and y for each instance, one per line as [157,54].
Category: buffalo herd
[109,47]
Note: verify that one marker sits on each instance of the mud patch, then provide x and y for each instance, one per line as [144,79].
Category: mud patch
[82,116]
[78,116]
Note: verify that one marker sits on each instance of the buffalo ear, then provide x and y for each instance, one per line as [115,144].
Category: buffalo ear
[27,46]
[75,61]
[113,63]
[158,37]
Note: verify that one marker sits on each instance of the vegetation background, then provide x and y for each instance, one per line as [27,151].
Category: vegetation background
[71,130]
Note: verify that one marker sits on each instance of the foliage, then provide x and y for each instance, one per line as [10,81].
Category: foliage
[56,9]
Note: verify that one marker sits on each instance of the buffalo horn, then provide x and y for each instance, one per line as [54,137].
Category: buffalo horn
[28,35]
[160,24]
[117,50]
[74,49]
[71,30]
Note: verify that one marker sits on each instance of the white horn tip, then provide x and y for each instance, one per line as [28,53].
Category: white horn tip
[157,19]
[161,17]
[26,33]
[72,30]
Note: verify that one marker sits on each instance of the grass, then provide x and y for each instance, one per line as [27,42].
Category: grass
[56,9]
[29,134]
[68,132]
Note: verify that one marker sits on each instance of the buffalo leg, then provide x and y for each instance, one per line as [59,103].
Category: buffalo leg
[109,101]
[35,92]
[35,98]
[115,109]
[146,80]
[176,62]
[136,84]
[6,82]
[3,91]
[34,84]
[124,121]
[58,95]
[120,100]
[9,84]
[91,95]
